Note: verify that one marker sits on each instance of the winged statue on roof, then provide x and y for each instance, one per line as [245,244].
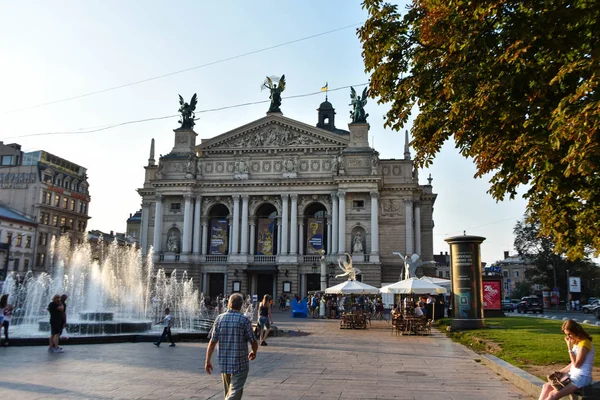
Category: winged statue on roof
[358,103]
[276,86]
[348,269]
[187,112]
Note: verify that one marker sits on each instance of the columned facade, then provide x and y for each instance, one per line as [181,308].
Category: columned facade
[252,209]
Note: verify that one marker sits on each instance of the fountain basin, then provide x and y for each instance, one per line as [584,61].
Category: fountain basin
[101,327]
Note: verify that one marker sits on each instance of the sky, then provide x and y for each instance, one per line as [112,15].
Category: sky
[61,62]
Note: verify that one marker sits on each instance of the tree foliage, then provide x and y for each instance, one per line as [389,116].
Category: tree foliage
[538,251]
[515,83]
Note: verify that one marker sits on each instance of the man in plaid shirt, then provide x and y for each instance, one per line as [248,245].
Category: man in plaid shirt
[232,330]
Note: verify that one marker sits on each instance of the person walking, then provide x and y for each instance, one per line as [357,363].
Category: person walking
[581,353]
[167,329]
[55,308]
[232,331]
[63,301]
[5,316]
[264,320]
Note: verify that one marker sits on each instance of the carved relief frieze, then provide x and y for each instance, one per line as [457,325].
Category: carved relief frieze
[396,170]
[255,166]
[230,166]
[326,165]
[220,167]
[304,165]
[273,136]
[277,166]
[357,163]
[175,167]
[386,170]
[266,166]
[209,167]
[391,207]
[315,165]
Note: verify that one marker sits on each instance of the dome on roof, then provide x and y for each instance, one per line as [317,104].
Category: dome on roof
[325,106]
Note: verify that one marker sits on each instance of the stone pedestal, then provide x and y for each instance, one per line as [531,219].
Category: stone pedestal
[185,141]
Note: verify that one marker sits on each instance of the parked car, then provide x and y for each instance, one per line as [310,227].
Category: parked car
[530,304]
[507,305]
[589,308]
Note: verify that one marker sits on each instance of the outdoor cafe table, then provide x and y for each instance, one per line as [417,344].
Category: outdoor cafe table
[353,321]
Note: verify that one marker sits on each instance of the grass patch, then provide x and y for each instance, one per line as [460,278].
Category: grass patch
[521,341]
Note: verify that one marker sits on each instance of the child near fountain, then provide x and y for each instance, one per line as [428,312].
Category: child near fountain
[167,330]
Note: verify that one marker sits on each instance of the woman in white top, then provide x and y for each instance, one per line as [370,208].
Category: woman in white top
[418,312]
[581,353]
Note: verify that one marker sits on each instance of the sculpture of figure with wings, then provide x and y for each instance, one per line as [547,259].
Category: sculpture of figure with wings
[348,269]
[358,115]
[276,86]
[187,112]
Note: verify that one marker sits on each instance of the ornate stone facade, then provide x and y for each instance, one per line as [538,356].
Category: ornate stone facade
[256,204]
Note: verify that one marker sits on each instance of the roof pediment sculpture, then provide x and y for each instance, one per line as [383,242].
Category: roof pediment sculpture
[358,114]
[187,112]
[271,136]
[276,86]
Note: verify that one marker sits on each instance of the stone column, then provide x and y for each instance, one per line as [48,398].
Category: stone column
[374,222]
[335,224]
[145,226]
[418,227]
[408,205]
[235,236]
[187,224]
[342,224]
[204,282]
[197,211]
[230,241]
[252,236]
[278,235]
[244,249]
[284,224]
[301,238]
[328,237]
[158,224]
[203,249]
[294,225]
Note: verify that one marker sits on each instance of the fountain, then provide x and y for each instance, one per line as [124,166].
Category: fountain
[116,293]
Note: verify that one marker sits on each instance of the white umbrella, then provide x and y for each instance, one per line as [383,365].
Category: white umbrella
[352,287]
[438,281]
[413,286]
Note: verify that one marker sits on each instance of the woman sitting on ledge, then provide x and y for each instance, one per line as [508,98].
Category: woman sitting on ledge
[581,353]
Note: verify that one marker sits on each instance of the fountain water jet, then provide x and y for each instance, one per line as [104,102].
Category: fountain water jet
[116,293]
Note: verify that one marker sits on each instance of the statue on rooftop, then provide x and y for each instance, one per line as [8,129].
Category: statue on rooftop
[276,86]
[358,115]
[187,112]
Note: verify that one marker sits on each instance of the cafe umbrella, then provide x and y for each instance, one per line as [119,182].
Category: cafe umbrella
[413,286]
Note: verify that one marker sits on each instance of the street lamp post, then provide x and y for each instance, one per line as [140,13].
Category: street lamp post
[323,285]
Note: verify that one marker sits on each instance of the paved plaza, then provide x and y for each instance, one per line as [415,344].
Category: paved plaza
[329,363]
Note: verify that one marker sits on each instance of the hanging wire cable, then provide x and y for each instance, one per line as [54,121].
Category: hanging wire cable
[105,127]
[183,70]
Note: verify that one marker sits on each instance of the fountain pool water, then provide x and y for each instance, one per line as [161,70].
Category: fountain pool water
[115,293]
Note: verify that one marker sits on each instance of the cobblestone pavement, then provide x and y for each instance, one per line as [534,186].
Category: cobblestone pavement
[329,363]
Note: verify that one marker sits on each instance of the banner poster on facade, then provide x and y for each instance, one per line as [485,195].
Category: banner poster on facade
[314,236]
[492,295]
[575,284]
[265,236]
[218,236]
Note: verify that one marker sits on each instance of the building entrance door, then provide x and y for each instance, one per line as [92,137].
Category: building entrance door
[216,283]
[264,285]
[313,282]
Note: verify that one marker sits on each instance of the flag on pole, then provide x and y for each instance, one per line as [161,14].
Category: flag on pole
[324,88]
